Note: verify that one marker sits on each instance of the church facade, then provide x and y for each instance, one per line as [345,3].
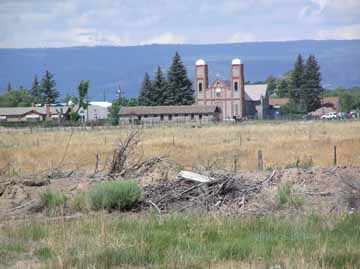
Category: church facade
[235,99]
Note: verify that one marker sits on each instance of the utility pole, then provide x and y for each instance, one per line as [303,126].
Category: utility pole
[119,92]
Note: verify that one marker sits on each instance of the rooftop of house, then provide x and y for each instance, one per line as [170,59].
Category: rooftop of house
[18,111]
[165,110]
[326,101]
[255,92]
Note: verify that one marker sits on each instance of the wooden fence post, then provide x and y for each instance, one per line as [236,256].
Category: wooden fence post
[335,157]
[260,161]
[235,164]
[96,164]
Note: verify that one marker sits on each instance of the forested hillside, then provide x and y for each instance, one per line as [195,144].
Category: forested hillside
[107,67]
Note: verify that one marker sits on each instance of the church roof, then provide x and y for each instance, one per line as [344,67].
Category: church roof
[254,92]
[223,83]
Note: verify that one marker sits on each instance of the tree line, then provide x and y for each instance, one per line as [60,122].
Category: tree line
[175,89]
[302,85]
[41,92]
[349,99]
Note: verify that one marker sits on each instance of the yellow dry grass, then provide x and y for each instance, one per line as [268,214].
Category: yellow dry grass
[215,146]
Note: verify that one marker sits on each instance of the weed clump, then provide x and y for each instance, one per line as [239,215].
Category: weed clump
[120,194]
[52,199]
[284,197]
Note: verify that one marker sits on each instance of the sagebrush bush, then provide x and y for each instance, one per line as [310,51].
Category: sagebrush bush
[52,199]
[119,194]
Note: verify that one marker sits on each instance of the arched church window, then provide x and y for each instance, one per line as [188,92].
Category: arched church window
[236,86]
[200,86]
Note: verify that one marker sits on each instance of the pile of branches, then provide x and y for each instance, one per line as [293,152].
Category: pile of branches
[219,192]
[125,160]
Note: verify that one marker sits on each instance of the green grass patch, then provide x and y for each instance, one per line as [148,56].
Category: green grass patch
[44,253]
[285,197]
[118,194]
[52,200]
[199,241]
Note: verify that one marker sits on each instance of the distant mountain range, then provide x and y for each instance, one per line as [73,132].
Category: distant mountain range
[107,67]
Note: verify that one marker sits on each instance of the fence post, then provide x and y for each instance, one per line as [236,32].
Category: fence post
[235,164]
[335,157]
[96,164]
[260,161]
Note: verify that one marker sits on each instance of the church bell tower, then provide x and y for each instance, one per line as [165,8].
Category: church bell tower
[237,88]
[201,82]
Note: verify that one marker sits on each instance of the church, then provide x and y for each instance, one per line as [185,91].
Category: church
[235,99]
[220,100]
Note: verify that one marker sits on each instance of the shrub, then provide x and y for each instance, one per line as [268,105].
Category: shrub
[51,199]
[284,197]
[120,194]
[74,116]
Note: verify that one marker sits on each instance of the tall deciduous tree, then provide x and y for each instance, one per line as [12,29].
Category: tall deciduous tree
[114,112]
[271,82]
[35,90]
[159,88]
[283,85]
[83,94]
[48,88]
[179,87]
[311,89]
[145,98]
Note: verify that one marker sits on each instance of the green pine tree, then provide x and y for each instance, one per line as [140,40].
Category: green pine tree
[48,88]
[179,87]
[9,88]
[35,90]
[145,98]
[311,90]
[297,79]
[159,88]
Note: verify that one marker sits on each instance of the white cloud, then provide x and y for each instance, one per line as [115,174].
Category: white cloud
[343,32]
[242,37]
[47,23]
[165,38]
[312,11]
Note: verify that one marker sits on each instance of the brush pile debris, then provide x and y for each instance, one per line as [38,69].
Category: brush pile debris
[195,191]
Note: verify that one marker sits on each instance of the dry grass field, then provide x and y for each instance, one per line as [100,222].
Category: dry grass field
[216,146]
[302,215]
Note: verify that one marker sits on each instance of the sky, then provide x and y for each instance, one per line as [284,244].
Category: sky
[63,23]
